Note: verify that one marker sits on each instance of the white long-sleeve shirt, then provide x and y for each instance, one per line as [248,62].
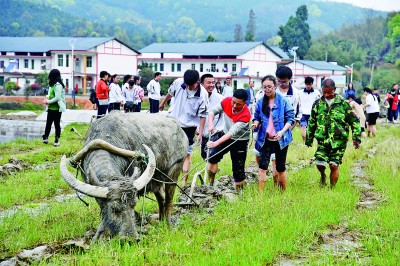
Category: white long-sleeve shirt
[129,95]
[307,98]
[154,90]
[187,106]
[293,96]
[115,94]
[219,121]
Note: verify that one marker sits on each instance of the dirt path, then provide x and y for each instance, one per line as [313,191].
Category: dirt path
[339,239]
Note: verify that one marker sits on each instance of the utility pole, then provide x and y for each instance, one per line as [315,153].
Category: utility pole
[72,44]
[372,74]
[293,50]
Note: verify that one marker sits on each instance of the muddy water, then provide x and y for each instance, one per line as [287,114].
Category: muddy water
[26,129]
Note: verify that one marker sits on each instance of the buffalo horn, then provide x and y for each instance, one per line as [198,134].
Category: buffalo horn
[92,191]
[142,181]
[102,144]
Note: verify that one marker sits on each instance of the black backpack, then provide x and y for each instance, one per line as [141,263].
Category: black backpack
[92,97]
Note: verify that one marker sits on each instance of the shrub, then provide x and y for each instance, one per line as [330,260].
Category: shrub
[10,86]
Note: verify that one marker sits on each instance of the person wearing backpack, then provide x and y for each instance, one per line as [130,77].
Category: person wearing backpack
[92,98]
[102,94]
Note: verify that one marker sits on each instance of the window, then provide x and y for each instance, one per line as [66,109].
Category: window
[213,66]
[161,66]
[193,66]
[172,67]
[33,63]
[26,63]
[155,67]
[178,67]
[89,61]
[2,64]
[60,60]
[233,67]
[201,67]
[67,60]
[1,80]
[43,64]
[225,68]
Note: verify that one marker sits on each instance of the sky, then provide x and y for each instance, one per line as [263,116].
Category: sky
[383,5]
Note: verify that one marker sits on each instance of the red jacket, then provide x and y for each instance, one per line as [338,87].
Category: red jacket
[102,90]
[395,101]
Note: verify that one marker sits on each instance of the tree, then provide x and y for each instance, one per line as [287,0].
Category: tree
[146,74]
[42,79]
[211,38]
[251,27]
[296,32]
[238,34]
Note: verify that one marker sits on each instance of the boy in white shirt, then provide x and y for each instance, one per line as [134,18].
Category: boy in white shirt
[307,97]
[154,90]
[189,108]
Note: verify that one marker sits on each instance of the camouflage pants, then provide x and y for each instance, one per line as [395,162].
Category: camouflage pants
[325,153]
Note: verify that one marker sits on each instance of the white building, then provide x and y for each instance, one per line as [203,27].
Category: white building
[21,58]
[243,61]
[319,70]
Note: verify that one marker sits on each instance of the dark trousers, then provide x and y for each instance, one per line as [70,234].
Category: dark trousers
[101,109]
[53,116]
[154,104]
[139,107]
[238,151]
[114,106]
[391,114]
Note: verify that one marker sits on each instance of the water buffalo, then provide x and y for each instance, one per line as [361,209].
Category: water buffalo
[111,160]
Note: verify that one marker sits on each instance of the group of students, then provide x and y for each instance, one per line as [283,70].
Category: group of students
[110,96]
[223,123]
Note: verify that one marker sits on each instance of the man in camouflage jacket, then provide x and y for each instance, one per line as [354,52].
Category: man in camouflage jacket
[331,117]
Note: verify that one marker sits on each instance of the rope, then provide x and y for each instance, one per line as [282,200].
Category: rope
[141,223]
[76,192]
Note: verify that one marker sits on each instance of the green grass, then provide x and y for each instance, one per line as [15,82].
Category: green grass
[256,229]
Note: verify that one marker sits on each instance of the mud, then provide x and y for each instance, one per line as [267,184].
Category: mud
[19,116]
[15,165]
[205,196]
[40,253]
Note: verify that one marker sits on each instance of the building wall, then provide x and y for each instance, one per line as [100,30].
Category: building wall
[23,73]
[260,61]
[301,71]
[111,56]
[116,58]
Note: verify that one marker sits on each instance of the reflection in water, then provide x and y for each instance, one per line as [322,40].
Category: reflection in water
[26,129]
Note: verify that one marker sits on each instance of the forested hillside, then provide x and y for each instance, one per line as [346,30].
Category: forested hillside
[142,22]
[372,47]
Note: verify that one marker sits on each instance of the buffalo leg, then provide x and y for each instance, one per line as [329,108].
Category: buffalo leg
[99,233]
[160,200]
[169,201]
[170,191]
